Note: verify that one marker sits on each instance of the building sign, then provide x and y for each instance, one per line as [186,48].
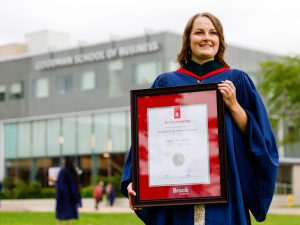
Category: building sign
[98,56]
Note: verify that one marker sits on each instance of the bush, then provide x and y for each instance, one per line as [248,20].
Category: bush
[87,192]
[21,189]
[35,190]
[8,185]
[48,192]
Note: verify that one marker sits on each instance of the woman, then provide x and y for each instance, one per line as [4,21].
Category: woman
[68,197]
[98,193]
[251,148]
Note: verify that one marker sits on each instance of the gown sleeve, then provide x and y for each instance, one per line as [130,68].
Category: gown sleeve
[126,175]
[257,152]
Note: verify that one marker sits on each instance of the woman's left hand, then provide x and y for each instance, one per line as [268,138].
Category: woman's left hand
[228,92]
[238,114]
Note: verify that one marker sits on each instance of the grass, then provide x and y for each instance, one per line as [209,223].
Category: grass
[279,220]
[37,218]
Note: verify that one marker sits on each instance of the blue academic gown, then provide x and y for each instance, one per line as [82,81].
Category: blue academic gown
[252,160]
[68,198]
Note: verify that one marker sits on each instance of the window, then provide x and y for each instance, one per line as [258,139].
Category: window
[101,132]
[10,140]
[115,79]
[53,137]
[63,84]
[118,131]
[41,88]
[88,80]
[69,136]
[145,73]
[16,90]
[24,140]
[2,92]
[39,138]
[84,128]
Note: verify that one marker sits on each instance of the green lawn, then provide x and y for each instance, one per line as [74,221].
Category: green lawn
[35,218]
[279,220]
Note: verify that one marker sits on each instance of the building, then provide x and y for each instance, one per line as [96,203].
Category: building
[76,102]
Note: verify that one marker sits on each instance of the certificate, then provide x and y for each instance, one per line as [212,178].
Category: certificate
[53,175]
[174,134]
[178,146]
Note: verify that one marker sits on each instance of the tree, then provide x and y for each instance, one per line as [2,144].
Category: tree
[281,90]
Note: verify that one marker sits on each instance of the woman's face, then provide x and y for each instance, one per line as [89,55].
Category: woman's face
[204,40]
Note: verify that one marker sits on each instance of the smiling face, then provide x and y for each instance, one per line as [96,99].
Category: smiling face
[204,40]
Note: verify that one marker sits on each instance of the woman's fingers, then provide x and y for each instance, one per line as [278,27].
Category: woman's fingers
[228,91]
[131,194]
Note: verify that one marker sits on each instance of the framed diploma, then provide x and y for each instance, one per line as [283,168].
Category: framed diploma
[178,146]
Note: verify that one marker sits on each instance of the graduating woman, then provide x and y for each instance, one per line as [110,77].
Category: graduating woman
[251,149]
[68,197]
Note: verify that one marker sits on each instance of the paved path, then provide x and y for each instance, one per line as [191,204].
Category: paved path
[121,205]
[48,205]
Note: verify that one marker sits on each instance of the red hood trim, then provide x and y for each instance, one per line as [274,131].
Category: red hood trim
[214,72]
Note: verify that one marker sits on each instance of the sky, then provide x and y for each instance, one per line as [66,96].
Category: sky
[271,26]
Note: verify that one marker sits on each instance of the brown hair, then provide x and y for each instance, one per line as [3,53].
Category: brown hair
[185,52]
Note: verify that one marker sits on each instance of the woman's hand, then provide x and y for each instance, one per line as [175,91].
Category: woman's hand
[131,194]
[228,91]
[239,115]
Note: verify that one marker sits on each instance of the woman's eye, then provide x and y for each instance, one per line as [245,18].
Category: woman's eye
[199,32]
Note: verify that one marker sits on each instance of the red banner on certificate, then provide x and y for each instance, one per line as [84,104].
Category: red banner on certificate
[178,146]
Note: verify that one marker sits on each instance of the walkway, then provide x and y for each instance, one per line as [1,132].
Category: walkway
[120,206]
[48,205]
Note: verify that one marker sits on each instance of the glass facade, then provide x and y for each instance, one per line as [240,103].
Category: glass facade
[39,138]
[101,129]
[32,146]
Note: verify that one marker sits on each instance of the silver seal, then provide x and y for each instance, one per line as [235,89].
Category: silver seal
[178,159]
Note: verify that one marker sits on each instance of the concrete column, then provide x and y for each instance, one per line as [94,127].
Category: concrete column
[94,168]
[33,170]
[296,180]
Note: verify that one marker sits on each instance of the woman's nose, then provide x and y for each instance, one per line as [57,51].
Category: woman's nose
[206,36]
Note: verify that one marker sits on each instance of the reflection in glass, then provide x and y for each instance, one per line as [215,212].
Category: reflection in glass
[24,138]
[84,134]
[39,138]
[69,134]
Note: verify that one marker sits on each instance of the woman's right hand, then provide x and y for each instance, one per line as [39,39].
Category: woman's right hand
[131,194]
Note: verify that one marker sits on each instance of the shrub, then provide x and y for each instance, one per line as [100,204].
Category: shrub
[87,192]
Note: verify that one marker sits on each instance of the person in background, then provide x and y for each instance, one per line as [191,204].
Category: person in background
[98,193]
[68,198]
[110,193]
[252,156]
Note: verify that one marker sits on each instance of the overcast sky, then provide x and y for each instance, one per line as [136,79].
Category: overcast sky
[267,25]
